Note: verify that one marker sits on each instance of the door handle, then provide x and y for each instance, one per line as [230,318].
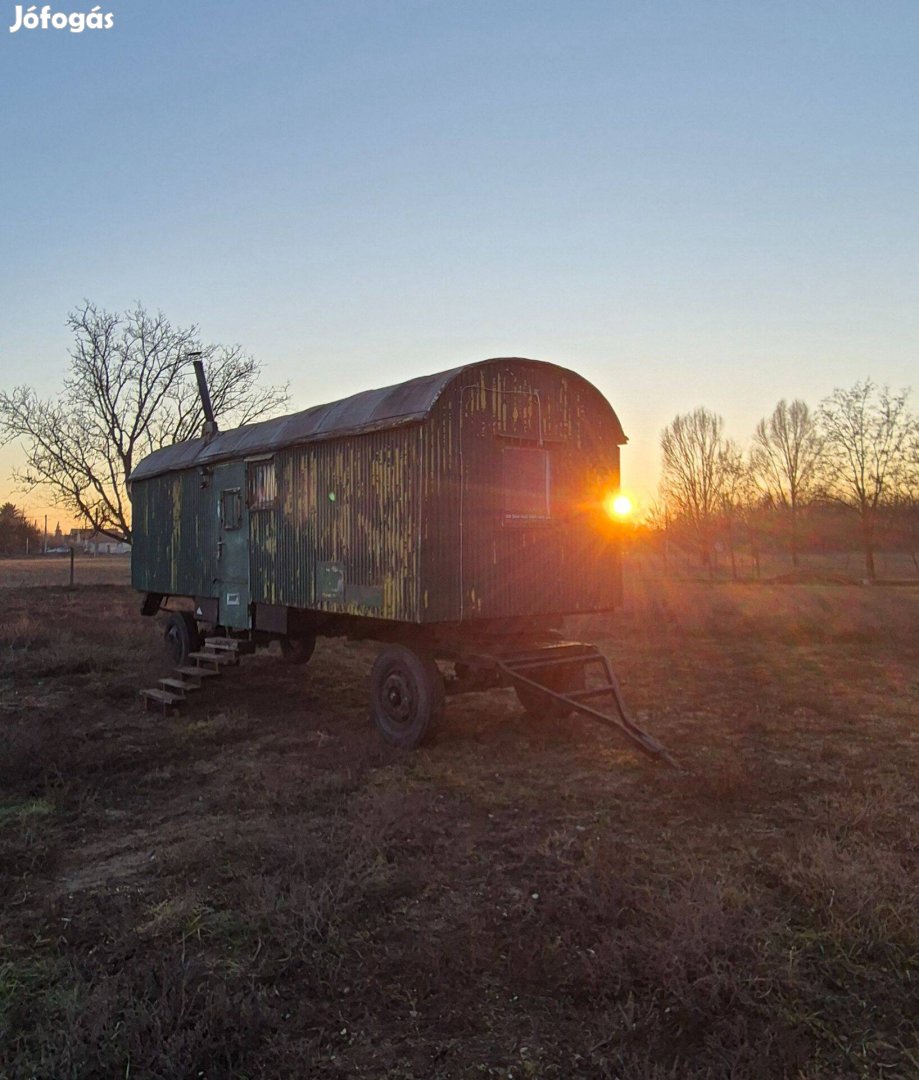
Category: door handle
[219,549]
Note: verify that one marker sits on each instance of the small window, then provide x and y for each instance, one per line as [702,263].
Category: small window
[263,485]
[231,508]
[526,484]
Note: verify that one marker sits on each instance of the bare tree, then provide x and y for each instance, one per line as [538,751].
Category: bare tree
[130,390]
[657,523]
[697,464]
[785,461]
[907,497]
[736,496]
[868,433]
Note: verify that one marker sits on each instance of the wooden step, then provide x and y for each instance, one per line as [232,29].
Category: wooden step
[162,697]
[218,658]
[196,672]
[179,686]
[230,645]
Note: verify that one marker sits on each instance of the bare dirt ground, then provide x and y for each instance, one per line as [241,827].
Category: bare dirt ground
[257,887]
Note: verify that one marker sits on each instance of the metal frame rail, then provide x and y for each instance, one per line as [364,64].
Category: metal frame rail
[570,654]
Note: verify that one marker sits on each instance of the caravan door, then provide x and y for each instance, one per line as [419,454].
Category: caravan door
[232,545]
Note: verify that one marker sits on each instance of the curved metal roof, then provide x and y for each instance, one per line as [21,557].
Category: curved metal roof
[371,410]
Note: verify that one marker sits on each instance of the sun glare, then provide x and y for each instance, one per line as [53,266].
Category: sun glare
[618,506]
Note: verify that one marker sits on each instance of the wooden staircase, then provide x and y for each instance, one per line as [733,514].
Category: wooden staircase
[207,663]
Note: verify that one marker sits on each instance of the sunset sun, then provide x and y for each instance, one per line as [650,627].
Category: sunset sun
[618,506]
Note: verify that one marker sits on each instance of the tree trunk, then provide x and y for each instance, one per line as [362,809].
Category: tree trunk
[794,538]
[868,542]
[730,534]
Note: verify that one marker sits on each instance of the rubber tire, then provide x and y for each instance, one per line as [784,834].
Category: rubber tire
[181,636]
[406,696]
[561,679]
[297,650]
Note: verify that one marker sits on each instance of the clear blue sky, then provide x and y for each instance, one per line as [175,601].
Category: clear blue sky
[690,203]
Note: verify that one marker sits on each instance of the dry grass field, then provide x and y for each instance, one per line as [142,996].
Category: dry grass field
[257,887]
[55,570]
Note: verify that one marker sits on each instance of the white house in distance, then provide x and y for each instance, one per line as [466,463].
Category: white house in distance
[91,542]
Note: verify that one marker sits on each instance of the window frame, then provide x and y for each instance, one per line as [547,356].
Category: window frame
[237,506]
[258,472]
[512,516]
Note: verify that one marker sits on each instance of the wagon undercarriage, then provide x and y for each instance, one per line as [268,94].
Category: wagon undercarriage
[416,671]
[554,678]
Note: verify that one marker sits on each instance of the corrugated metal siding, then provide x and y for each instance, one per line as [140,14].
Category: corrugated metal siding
[174,535]
[369,529]
[416,530]
[440,514]
[485,567]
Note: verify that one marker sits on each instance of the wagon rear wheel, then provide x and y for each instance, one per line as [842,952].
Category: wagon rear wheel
[562,680]
[297,650]
[406,695]
[181,637]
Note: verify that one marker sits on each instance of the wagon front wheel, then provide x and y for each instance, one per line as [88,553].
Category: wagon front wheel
[406,695]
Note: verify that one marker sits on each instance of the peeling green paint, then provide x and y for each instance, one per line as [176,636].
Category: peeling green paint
[417,524]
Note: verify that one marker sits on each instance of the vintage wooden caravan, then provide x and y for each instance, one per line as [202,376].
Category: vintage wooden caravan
[453,517]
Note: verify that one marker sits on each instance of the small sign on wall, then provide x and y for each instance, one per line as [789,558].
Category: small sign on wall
[330,580]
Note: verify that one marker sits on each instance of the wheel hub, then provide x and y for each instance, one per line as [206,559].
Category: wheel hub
[398,698]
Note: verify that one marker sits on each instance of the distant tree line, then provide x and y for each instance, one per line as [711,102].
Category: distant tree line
[845,473]
[18,535]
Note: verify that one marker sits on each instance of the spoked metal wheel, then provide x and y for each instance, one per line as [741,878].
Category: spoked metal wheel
[406,695]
